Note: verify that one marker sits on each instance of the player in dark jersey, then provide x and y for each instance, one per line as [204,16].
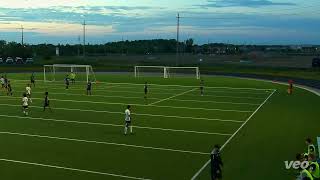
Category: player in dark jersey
[201,87]
[67,81]
[216,163]
[89,87]
[9,89]
[145,90]
[5,82]
[46,102]
[32,80]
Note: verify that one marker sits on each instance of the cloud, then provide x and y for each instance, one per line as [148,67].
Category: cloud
[62,24]
[243,3]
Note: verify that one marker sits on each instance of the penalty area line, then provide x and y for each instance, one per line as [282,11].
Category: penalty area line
[180,94]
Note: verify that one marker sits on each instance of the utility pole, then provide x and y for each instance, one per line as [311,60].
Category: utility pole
[178,32]
[84,38]
[22,35]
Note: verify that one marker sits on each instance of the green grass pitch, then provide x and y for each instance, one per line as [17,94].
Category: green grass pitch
[174,131]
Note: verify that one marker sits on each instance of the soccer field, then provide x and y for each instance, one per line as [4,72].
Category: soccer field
[257,123]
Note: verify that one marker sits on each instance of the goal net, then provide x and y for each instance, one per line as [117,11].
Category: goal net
[58,72]
[166,71]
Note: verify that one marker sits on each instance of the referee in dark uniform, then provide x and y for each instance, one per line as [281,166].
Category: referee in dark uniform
[216,163]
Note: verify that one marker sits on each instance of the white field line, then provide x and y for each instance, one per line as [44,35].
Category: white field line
[233,135]
[142,105]
[217,102]
[100,88]
[114,125]
[211,87]
[172,97]
[73,94]
[137,114]
[171,85]
[130,97]
[141,92]
[103,90]
[71,169]
[102,142]
[233,92]
[236,97]
[156,93]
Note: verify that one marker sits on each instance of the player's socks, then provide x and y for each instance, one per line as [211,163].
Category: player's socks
[131,129]
[125,130]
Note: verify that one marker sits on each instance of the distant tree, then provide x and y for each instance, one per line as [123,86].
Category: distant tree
[189,45]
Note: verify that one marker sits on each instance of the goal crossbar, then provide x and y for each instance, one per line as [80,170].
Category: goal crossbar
[166,70]
[88,70]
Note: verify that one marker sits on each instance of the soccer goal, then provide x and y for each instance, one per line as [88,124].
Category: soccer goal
[166,71]
[58,72]
[142,71]
[173,72]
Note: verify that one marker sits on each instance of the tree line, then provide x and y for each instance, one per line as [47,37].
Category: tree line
[14,49]
[146,47]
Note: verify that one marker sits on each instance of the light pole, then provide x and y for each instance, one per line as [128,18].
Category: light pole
[178,31]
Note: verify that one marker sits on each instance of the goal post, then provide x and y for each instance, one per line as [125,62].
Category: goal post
[58,72]
[166,71]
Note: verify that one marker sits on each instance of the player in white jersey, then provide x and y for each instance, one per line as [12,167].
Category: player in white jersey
[25,104]
[2,81]
[28,92]
[127,113]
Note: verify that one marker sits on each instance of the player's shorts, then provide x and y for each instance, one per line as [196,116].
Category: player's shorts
[28,94]
[88,89]
[217,174]
[32,81]
[145,91]
[128,123]
[46,104]
[201,88]
[25,107]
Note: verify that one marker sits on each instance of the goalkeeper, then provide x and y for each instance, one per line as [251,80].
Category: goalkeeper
[73,77]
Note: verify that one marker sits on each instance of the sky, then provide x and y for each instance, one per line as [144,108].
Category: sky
[285,22]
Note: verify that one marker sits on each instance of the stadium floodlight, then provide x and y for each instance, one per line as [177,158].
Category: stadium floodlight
[58,72]
[166,71]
